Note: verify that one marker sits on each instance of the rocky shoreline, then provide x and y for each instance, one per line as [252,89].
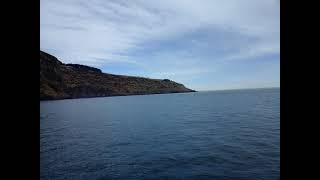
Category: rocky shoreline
[69,81]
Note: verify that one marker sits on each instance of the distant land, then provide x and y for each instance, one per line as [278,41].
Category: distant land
[68,81]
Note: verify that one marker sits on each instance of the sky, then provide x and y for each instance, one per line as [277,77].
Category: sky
[205,44]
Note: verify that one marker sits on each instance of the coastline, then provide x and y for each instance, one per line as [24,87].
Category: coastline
[142,94]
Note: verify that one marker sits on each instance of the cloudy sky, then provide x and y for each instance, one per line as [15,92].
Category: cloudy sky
[205,44]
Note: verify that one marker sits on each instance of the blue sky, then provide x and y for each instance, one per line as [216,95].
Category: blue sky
[205,44]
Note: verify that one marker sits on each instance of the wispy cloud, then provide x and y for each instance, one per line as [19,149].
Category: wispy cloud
[164,38]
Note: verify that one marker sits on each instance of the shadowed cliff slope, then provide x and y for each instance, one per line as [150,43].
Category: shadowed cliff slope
[63,81]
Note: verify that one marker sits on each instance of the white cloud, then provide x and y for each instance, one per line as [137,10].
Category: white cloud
[115,26]
[98,32]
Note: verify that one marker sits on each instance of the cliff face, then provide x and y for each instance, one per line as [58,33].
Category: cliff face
[62,81]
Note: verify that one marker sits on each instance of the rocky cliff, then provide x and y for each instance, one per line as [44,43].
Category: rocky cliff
[63,81]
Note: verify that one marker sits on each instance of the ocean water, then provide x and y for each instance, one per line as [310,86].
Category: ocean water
[232,134]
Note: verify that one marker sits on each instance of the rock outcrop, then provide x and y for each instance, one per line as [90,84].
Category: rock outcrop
[64,81]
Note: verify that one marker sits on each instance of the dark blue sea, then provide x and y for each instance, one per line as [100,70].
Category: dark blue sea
[220,135]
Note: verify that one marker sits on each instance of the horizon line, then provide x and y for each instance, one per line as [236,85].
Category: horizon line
[276,87]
